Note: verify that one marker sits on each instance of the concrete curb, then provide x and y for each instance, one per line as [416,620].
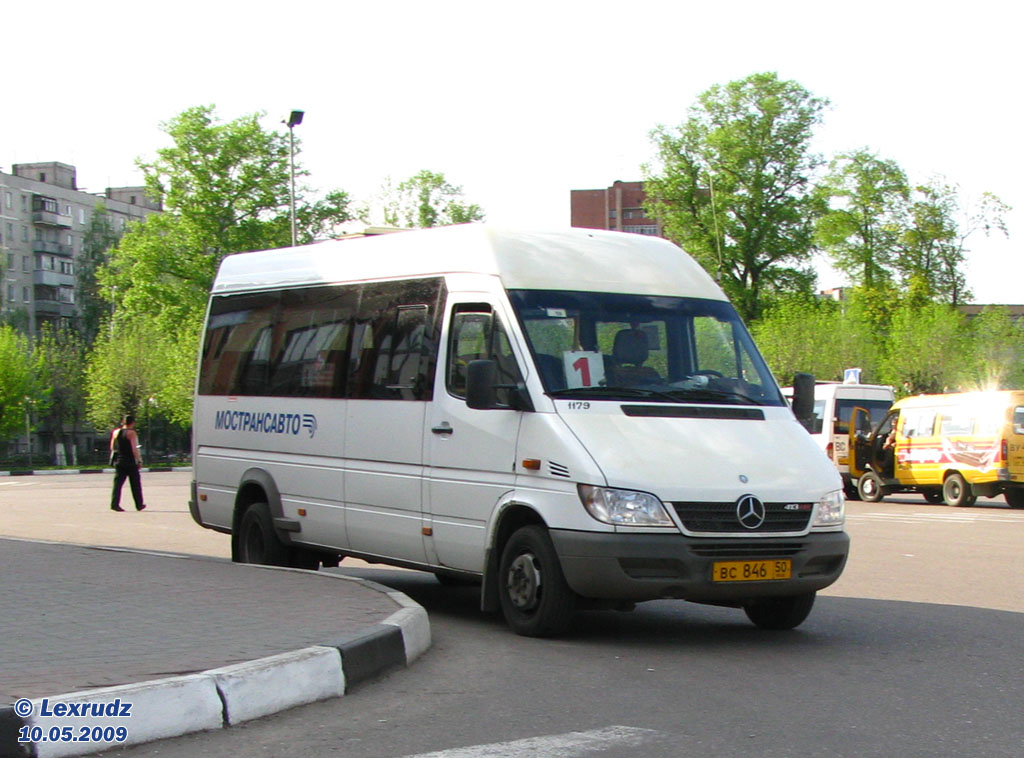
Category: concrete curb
[220,697]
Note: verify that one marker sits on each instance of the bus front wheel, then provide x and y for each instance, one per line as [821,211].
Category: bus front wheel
[535,598]
[780,612]
[869,487]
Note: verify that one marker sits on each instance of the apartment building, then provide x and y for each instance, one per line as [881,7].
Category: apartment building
[44,219]
[619,207]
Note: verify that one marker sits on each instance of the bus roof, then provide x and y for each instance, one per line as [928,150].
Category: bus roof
[999,398]
[568,259]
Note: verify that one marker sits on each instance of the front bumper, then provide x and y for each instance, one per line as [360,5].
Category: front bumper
[637,567]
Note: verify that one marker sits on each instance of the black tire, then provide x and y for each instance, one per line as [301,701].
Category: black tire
[933,496]
[957,492]
[535,599]
[869,487]
[850,491]
[1014,498]
[257,540]
[780,612]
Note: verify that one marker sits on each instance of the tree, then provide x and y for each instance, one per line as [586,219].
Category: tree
[734,187]
[58,361]
[124,369]
[997,360]
[927,351]
[867,200]
[821,337]
[224,189]
[935,243]
[100,237]
[17,383]
[427,200]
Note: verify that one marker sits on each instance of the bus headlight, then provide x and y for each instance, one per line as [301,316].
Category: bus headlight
[623,507]
[831,510]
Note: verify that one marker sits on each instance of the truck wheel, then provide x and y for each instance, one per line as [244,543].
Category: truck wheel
[535,599]
[956,491]
[869,487]
[780,612]
[1014,498]
[257,540]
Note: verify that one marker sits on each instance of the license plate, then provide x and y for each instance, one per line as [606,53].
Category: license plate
[752,571]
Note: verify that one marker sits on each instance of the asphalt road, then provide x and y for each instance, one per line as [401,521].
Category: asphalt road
[917,651]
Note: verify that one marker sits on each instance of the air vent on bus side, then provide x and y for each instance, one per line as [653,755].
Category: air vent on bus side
[557,469]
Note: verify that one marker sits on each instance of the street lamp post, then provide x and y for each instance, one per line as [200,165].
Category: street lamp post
[293,120]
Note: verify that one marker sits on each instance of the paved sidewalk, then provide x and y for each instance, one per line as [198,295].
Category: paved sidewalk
[74,619]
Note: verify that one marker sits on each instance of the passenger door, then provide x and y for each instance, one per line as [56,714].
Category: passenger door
[470,453]
[860,442]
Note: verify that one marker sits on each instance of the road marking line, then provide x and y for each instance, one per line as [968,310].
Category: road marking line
[570,745]
[952,518]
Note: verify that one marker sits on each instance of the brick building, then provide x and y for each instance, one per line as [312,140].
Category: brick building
[619,208]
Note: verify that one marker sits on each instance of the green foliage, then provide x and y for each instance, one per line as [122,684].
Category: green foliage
[100,237]
[427,200]
[225,188]
[18,385]
[928,350]
[997,347]
[867,201]
[935,242]
[59,365]
[124,370]
[821,337]
[734,187]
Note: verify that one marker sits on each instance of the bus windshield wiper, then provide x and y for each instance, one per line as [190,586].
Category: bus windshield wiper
[707,394]
[613,392]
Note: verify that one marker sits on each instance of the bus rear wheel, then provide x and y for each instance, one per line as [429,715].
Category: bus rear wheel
[957,492]
[257,541]
[1015,498]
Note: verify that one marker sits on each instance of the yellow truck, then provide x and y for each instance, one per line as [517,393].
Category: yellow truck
[949,448]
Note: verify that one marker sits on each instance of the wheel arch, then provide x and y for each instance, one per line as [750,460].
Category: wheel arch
[255,486]
[511,516]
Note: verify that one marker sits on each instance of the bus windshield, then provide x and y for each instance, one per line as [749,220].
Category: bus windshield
[628,347]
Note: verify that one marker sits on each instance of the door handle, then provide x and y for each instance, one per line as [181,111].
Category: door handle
[443,428]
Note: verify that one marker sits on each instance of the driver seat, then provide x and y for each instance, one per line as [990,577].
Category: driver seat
[630,350]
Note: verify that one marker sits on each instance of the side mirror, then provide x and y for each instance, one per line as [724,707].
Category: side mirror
[480,385]
[803,399]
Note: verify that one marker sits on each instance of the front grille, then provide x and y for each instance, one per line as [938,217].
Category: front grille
[718,518]
[720,549]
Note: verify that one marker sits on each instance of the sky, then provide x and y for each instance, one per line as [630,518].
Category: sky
[519,103]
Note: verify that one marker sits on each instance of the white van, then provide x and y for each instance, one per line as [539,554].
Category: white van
[830,426]
[573,419]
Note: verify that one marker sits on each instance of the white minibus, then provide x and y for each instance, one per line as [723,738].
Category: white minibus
[830,424]
[572,419]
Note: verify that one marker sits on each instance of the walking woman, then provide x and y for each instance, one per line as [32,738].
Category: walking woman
[124,454]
